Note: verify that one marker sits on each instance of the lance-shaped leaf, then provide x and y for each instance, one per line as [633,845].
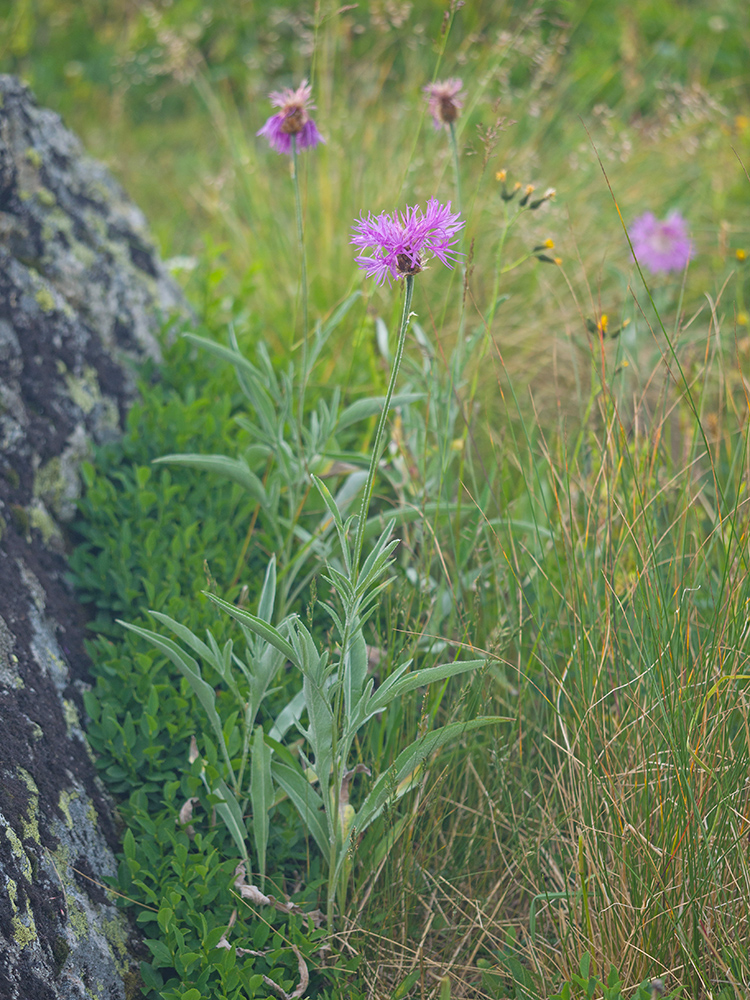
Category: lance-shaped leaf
[258,626]
[234,357]
[335,513]
[228,808]
[373,406]
[405,515]
[189,668]
[249,377]
[355,672]
[224,658]
[404,766]
[261,797]
[306,800]
[399,682]
[315,685]
[220,660]
[233,468]
[268,593]
[289,716]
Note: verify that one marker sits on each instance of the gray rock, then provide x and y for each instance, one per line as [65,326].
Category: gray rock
[82,293]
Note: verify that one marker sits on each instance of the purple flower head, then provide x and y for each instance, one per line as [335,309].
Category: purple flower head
[292,120]
[445,99]
[402,243]
[661,246]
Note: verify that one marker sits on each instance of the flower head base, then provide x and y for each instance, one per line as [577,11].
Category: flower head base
[445,99]
[661,246]
[292,120]
[400,244]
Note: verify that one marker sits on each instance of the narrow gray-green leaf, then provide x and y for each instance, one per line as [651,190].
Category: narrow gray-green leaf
[188,637]
[189,668]
[394,686]
[229,809]
[329,502]
[373,406]
[234,357]
[306,800]
[233,468]
[268,593]
[261,797]
[289,716]
[258,626]
[355,672]
[411,758]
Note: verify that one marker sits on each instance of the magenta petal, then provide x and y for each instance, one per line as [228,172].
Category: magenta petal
[309,136]
[411,234]
[661,246]
[277,139]
[294,114]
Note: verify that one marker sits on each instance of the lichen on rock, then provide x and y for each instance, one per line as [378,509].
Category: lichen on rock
[82,294]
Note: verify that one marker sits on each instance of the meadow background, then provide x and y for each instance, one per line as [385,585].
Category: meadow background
[572,507]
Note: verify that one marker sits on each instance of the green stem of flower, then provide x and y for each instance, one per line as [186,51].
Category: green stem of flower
[458,357]
[303,265]
[379,433]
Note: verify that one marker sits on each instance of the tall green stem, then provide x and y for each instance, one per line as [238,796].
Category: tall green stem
[303,265]
[458,356]
[378,445]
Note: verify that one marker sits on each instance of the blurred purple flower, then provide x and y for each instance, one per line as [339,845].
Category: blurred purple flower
[292,120]
[445,99]
[661,246]
[402,243]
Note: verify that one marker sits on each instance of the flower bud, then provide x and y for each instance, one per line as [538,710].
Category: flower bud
[446,98]
[548,194]
[510,195]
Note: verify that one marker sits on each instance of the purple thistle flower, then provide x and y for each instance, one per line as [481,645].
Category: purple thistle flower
[445,99]
[661,246]
[400,244]
[292,120]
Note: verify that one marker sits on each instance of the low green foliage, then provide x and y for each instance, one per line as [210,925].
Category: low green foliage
[142,544]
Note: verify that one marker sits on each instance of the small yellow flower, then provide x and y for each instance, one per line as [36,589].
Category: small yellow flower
[740,254]
[742,319]
[557,260]
[501,176]
[603,324]
[742,123]
[549,244]
[529,189]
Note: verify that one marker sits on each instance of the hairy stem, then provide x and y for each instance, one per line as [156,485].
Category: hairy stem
[379,433]
[303,266]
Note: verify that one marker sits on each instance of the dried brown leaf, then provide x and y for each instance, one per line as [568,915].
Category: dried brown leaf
[186,815]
